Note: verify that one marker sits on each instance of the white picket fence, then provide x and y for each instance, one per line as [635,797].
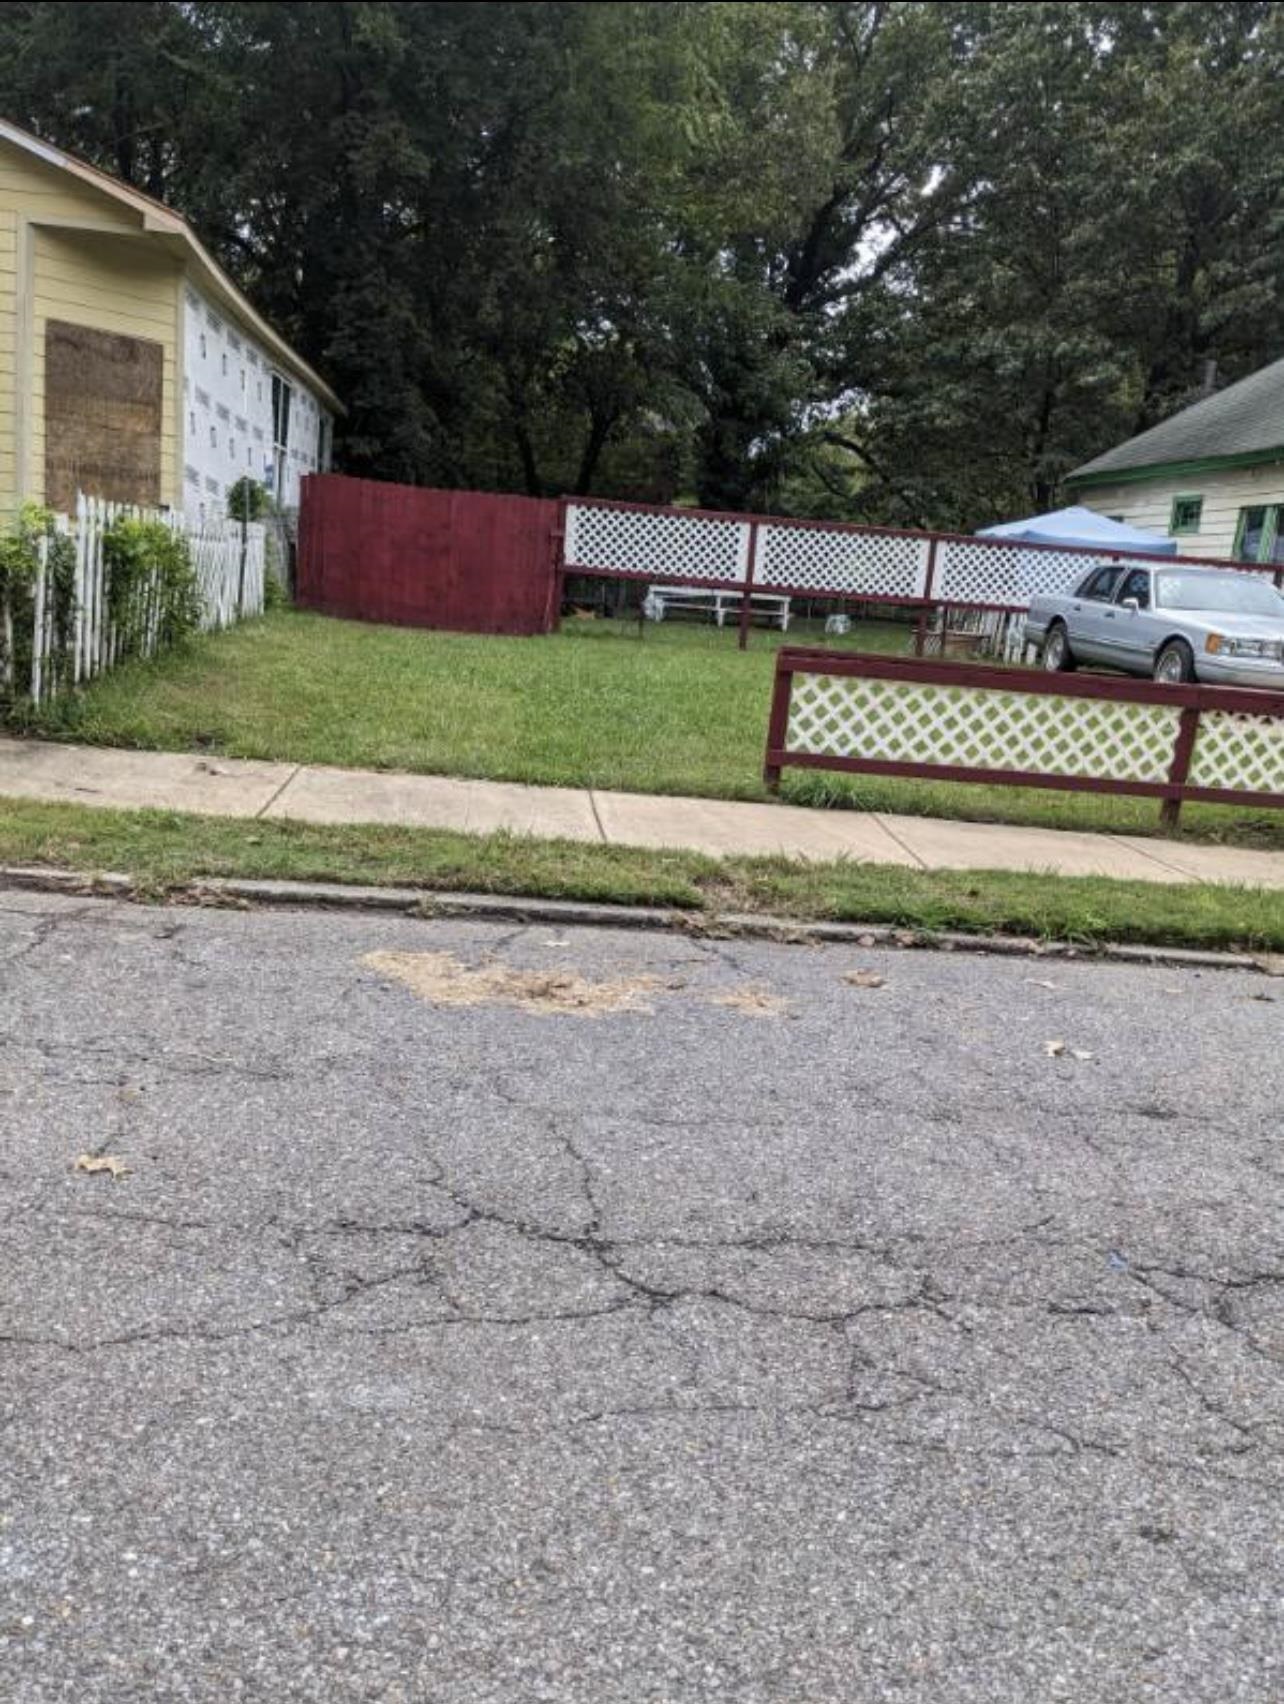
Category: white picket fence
[229,563]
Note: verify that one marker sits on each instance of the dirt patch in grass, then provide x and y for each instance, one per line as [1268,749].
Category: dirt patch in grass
[442,980]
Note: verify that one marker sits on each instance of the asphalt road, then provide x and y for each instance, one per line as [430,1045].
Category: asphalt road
[834,1344]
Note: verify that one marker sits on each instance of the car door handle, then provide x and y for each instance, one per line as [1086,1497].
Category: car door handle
[1109,614]
[1077,608]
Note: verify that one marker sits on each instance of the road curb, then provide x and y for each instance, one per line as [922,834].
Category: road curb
[569,913]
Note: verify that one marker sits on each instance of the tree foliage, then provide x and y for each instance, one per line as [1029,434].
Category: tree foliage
[894,261]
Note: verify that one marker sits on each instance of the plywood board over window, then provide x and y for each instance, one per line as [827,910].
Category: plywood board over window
[104,409]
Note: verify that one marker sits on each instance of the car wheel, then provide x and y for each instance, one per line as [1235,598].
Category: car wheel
[1175,664]
[1057,656]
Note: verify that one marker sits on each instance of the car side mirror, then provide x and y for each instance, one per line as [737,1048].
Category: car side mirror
[1131,605]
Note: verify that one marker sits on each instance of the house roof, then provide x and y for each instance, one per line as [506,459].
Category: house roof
[1238,427]
[172,229]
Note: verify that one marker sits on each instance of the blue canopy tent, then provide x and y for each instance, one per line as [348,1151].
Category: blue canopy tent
[1082,527]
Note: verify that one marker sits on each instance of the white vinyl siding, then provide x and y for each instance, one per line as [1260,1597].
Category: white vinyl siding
[1148,503]
[228,384]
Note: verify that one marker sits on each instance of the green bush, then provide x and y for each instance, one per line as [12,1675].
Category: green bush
[247,500]
[151,584]
[19,570]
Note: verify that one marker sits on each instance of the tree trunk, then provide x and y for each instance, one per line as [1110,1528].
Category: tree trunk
[600,429]
[526,450]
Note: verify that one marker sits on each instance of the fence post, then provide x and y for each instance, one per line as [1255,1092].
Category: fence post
[245,546]
[745,602]
[778,724]
[920,631]
[38,619]
[1179,769]
[557,540]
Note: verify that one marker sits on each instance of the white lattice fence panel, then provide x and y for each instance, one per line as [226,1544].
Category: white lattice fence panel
[1243,752]
[973,727]
[638,541]
[975,572]
[870,565]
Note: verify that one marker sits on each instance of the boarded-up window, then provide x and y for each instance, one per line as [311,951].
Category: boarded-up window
[104,408]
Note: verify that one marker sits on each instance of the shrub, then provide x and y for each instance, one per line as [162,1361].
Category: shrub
[247,500]
[151,594]
[19,571]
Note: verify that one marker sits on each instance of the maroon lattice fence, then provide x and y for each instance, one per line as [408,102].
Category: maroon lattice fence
[743,553]
[940,721]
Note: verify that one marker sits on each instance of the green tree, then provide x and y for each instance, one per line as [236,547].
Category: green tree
[880,258]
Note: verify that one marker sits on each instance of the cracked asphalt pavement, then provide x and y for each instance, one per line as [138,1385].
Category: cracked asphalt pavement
[836,1343]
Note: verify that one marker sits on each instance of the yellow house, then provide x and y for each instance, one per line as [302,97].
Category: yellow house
[131,367]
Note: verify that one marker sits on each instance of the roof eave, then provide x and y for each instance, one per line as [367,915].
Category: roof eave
[1088,475]
[163,221]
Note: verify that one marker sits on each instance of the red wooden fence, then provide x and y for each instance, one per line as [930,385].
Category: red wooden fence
[472,561]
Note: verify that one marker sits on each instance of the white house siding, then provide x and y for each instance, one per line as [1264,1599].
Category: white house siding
[227,414]
[1148,503]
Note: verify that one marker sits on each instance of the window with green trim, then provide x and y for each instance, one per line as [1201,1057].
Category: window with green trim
[1186,515]
[1259,537]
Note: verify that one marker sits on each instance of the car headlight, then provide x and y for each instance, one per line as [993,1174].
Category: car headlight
[1223,645]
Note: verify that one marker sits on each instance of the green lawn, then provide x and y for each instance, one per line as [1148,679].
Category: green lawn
[164,851]
[680,710]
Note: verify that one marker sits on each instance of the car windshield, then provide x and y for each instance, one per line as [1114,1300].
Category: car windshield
[1230,593]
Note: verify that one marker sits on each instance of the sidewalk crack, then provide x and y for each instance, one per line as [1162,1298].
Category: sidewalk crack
[267,805]
[877,816]
[1131,843]
[597,816]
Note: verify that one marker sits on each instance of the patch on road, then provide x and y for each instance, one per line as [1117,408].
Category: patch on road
[442,980]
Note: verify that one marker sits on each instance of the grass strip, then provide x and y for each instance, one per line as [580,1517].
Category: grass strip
[163,851]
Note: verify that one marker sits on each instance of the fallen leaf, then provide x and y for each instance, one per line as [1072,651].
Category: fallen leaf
[866,941]
[1271,963]
[101,1163]
[1058,1050]
[864,979]
[1268,998]
[753,1002]
[1038,982]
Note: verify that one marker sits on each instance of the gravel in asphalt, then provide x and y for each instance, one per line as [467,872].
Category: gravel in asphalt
[765,1337]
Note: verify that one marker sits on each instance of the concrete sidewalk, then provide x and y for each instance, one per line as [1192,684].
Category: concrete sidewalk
[130,780]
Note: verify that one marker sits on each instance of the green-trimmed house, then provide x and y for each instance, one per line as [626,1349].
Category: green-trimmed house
[1211,476]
